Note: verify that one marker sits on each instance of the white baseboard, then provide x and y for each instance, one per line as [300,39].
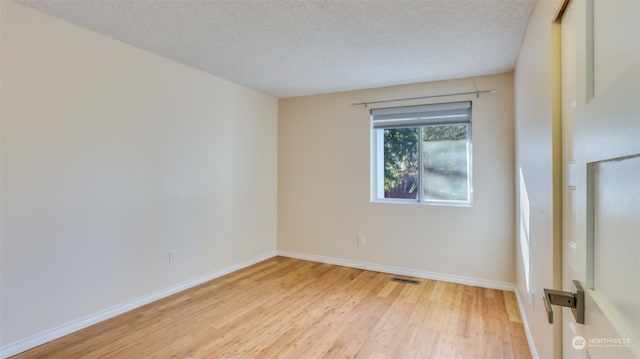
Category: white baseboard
[477,282]
[70,327]
[527,330]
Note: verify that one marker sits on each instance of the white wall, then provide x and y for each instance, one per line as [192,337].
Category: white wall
[324,187]
[537,148]
[111,157]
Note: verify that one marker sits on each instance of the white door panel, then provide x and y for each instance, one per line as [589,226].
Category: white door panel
[613,263]
[616,27]
[601,175]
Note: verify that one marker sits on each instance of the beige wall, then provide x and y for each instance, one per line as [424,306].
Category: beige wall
[537,148]
[324,186]
[111,157]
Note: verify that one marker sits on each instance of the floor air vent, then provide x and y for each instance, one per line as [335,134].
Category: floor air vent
[403,280]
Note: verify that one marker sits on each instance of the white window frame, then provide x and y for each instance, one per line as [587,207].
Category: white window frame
[417,116]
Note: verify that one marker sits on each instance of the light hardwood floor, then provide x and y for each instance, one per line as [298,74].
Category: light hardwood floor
[289,308]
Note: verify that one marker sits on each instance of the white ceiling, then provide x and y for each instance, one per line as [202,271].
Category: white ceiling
[292,48]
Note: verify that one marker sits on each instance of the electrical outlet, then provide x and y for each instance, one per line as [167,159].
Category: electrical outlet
[361,241]
[172,256]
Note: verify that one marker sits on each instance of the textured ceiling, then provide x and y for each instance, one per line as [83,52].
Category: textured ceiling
[300,47]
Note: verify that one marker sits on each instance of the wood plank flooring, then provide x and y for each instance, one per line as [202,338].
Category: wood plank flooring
[289,308]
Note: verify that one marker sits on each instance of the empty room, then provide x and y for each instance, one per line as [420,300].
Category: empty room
[320,179]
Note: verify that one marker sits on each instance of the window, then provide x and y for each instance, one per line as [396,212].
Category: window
[422,154]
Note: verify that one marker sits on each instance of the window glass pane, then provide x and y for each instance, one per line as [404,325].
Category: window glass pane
[401,163]
[445,163]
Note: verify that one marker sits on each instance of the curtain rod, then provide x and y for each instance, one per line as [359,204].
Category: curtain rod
[477,93]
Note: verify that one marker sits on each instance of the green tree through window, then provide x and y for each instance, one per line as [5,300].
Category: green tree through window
[401,162]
